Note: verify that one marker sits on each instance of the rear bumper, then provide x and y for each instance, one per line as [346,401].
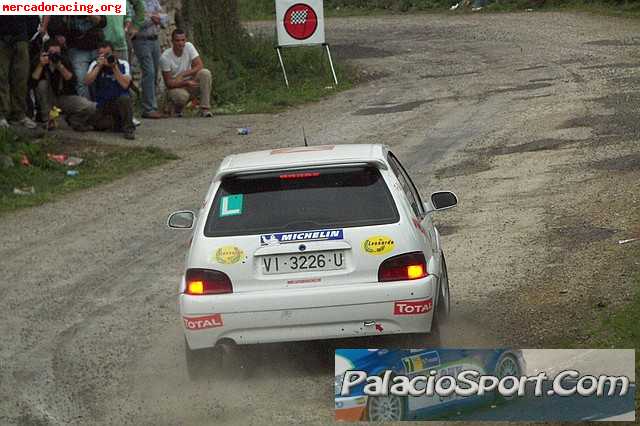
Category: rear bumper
[309,313]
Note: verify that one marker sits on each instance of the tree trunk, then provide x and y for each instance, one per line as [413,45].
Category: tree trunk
[212,25]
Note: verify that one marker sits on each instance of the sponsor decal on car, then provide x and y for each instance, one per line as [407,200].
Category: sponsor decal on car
[295,237]
[202,323]
[421,362]
[412,307]
[378,245]
[228,255]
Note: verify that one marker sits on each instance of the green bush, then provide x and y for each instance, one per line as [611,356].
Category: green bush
[249,79]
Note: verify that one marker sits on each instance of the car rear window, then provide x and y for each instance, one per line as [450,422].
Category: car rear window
[299,200]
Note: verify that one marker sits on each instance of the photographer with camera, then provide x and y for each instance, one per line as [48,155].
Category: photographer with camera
[56,86]
[110,79]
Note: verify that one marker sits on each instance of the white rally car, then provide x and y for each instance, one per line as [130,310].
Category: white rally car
[310,243]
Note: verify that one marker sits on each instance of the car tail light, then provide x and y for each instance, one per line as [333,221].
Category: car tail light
[207,281]
[409,266]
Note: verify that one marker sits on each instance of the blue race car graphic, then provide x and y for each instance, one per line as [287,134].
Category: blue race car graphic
[412,362]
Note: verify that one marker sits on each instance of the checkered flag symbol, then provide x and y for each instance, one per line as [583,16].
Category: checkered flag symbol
[299,17]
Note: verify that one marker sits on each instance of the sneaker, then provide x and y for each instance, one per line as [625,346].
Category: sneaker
[4,124]
[178,113]
[136,122]
[28,123]
[131,135]
[205,113]
[476,9]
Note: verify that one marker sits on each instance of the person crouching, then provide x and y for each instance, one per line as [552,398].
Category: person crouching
[56,86]
[109,78]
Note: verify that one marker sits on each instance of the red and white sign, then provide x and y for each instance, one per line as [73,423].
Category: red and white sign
[300,22]
[412,307]
[202,323]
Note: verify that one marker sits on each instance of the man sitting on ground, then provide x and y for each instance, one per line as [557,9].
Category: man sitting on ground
[184,75]
[110,78]
[56,86]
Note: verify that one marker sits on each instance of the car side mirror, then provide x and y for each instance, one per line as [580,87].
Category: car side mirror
[441,200]
[181,220]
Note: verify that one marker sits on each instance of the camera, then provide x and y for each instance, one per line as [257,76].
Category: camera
[55,58]
[110,59]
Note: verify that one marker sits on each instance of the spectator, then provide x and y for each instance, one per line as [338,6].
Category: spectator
[115,33]
[147,49]
[82,35]
[14,69]
[56,27]
[110,79]
[56,86]
[135,10]
[184,74]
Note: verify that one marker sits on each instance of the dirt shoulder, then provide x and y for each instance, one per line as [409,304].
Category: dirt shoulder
[528,117]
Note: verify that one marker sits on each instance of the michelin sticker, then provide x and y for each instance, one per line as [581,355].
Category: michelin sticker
[296,237]
[228,255]
[231,205]
[378,245]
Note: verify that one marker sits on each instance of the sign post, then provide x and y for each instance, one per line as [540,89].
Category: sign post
[301,23]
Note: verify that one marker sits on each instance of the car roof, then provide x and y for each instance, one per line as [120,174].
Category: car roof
[295,157]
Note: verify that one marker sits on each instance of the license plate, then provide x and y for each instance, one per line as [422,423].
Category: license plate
[290,263]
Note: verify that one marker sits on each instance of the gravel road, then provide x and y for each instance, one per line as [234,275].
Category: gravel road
[530,118]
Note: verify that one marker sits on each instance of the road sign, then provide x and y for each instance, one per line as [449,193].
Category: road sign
[300,22]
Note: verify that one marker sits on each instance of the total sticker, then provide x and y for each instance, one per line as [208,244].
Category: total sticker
[412,307]
[201,323]
[228,255]
[378,245]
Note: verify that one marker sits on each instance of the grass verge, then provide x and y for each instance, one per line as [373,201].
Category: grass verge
[622,329]
[102,163]
[251,80]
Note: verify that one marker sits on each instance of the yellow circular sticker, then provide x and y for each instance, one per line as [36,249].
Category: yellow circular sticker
[378,245]
[229,255]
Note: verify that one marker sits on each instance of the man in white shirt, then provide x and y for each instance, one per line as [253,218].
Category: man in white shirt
[184,75]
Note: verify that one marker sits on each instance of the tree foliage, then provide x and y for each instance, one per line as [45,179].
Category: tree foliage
[213,25]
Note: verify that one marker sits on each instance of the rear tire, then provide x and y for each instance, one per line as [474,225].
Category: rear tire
[444,298]
[424,340]
[201,363]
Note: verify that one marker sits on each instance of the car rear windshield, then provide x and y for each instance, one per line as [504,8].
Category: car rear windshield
[299,200]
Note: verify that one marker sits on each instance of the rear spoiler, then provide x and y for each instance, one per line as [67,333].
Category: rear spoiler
[379,164]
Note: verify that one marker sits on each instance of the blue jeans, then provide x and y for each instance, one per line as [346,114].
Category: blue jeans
[479,3]
[148,54]
[80,61]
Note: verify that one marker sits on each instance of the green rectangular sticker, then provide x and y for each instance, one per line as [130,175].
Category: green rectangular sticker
[231,205]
